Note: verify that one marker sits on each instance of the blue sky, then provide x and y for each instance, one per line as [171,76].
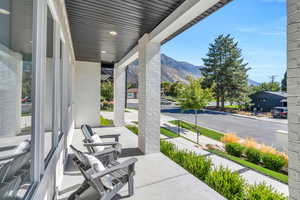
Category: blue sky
[258,25]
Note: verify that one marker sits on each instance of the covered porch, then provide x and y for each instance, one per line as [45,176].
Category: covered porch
[86,35]
[157,177]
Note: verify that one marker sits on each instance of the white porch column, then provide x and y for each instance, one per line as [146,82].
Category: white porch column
[294,97]
[119,95]
[87,93]
[149,95]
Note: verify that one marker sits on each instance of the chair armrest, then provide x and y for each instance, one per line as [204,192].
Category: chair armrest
[5,148]
[105,152]
[116,136]
[11,156]
[125,164]
[101,144]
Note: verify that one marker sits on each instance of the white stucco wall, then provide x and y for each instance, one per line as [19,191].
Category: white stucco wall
[87,93]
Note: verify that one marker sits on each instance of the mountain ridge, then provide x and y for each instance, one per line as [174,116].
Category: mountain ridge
[172,71]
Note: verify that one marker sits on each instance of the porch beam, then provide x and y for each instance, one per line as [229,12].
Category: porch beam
[183,15]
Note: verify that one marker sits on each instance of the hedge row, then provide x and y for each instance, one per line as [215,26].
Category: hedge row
[268,160]
[229,184]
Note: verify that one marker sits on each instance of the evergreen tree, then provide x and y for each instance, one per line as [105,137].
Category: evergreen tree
[284,83]
[225,70]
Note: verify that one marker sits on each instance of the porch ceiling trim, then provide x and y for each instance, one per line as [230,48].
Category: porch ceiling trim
[186,15]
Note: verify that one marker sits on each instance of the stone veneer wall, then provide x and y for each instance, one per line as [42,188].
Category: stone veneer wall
[294,97]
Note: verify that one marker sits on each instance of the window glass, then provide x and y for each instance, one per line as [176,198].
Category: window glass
[49,83]
[15,96]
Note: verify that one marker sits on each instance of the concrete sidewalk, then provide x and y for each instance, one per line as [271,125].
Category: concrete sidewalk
[250,175]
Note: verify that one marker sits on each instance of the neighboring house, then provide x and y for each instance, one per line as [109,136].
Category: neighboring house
[265,100]
[132,93]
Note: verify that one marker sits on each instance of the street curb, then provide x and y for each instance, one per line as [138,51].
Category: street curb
[244,116]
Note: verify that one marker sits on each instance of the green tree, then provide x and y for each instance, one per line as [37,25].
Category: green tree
[166,87]
[224,68]
[194,97]
[270,86]
[175,89]
[26,84]
[284,82]
[107,90]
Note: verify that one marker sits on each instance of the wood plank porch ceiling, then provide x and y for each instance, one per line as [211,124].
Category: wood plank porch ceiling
[91,22]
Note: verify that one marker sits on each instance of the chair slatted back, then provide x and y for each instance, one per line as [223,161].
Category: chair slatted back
[86,170]
[8,190]
[88,133]
[11,168]
[86,130]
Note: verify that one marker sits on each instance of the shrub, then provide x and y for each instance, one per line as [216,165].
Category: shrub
[253,155]
[285,158]
[273,162]
[229,184]
[167,148]
[263,192]
[250,143]
[234,149]
[230,138]
[267,149]
[197,165]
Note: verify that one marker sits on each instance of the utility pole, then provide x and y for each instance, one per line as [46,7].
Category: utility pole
[273,78]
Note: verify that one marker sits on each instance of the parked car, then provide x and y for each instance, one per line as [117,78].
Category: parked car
[26,100]
[279,112]
[165,102]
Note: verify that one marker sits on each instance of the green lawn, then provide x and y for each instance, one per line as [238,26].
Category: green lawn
[281,177]
[232,106]
[105,122]
[168,133]
[163,131]
[133,129]
[203,131]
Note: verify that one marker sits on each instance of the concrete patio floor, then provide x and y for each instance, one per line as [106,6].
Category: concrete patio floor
[157,177]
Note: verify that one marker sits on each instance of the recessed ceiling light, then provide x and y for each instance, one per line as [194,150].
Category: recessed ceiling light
[4,12]
[103,51]
[113,33]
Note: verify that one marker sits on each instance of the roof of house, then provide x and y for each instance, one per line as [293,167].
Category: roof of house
[132,90]
[280,93]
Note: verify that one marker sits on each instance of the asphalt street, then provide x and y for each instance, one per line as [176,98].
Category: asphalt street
[263,131]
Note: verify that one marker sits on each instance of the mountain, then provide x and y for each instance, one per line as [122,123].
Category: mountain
[253,83]
[172,70]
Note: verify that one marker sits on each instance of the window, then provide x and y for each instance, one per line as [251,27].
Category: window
[15,95]
[262,100]
[49,83]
